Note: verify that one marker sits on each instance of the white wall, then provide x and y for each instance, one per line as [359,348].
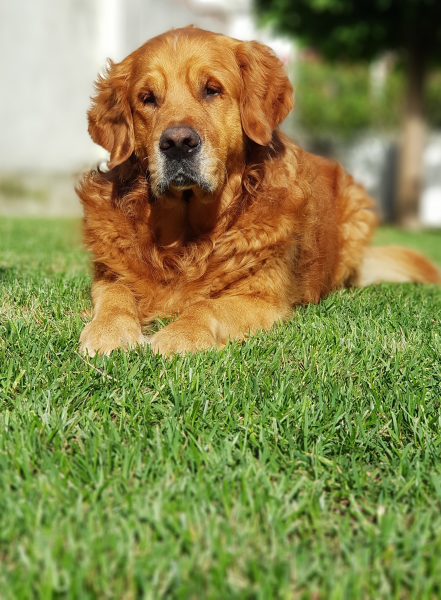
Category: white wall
[146,18]
[47,61]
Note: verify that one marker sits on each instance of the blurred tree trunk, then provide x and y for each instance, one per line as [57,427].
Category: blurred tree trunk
[410,166]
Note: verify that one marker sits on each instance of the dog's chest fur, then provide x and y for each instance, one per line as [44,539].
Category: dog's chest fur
[248,258]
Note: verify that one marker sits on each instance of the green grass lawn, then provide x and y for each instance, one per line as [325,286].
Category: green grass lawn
[304,463]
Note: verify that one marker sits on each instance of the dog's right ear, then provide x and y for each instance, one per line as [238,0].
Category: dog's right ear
[110,117]
[266,96]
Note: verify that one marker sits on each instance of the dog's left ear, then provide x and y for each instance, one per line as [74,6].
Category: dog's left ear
[110,117]
[267,94]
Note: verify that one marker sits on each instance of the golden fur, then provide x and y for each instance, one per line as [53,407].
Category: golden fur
[260,226]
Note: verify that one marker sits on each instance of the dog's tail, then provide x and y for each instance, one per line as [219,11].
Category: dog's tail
[396,264]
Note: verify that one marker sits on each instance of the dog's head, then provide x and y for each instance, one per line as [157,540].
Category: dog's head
[185,103]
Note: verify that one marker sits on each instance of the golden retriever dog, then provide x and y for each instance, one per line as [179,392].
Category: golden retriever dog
[208,211]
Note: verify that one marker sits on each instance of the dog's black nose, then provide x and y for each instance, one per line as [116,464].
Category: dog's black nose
[179,142]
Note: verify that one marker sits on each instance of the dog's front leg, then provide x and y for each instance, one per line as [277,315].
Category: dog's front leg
[115,320]
[211,323]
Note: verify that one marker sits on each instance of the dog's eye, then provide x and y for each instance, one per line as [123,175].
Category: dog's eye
[212,90]
[148,98]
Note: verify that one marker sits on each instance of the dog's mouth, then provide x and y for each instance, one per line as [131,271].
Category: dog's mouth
[180,175]
[183,181]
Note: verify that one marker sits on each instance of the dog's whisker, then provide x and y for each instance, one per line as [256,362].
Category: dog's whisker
[224,167]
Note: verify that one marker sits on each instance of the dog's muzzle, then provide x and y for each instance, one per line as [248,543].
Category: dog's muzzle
[181,160]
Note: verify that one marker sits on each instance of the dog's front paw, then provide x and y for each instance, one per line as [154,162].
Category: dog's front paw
[101,336]
[180,338]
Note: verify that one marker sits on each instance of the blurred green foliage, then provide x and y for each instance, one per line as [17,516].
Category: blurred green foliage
[338,100]
[433,99]
[332,100]
[12,187]
[358,30]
